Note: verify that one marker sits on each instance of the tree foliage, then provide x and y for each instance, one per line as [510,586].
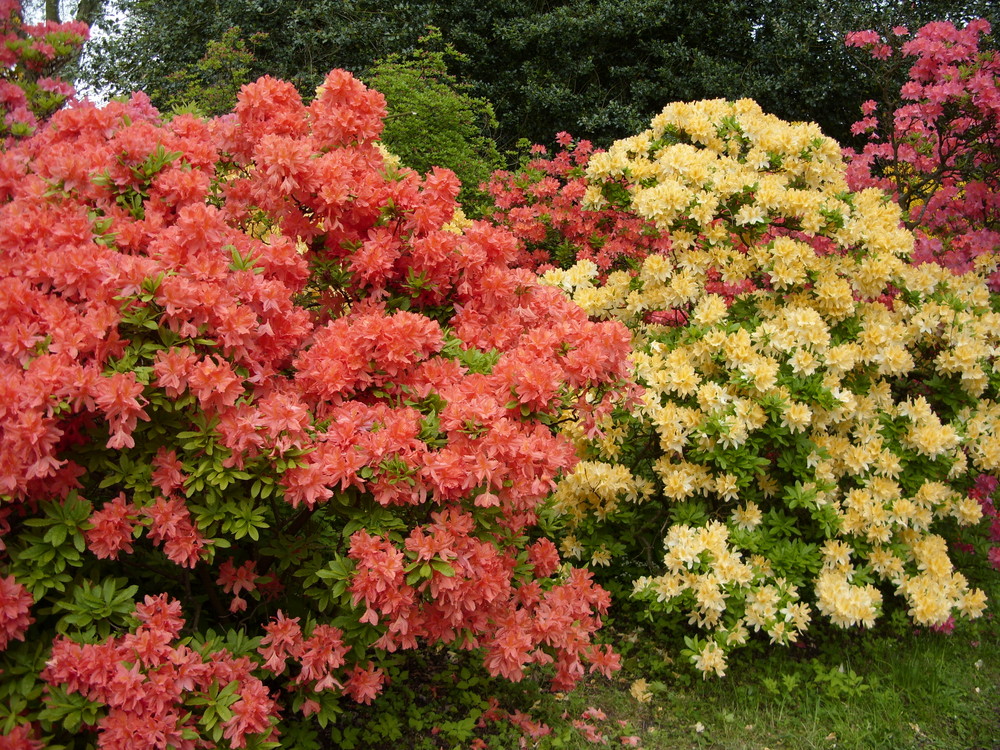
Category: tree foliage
[599,70]
[210,86]
[433,122]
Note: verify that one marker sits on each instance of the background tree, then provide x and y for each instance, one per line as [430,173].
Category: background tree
[598,69]
[432,120]
[211,85]
[147,41]
[59,11]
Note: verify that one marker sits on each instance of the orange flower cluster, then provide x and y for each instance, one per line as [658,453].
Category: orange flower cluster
[258,334]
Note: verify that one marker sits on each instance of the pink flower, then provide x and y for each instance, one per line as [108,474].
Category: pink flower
[234,580]
[15,604]
[544,556]
[111,528]
[283,640]
[251,713]
[364,685]
[322,653]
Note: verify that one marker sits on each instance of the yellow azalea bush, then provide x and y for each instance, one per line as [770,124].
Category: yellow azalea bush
[816,407]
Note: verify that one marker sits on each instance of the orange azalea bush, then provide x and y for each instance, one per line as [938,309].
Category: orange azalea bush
[818,437]
[266,417]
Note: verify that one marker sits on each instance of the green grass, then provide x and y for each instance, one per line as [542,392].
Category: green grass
[853,691]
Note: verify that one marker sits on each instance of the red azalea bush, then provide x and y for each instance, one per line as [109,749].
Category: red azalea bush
[936,149]
[28,55]
[542,204]
[264,421]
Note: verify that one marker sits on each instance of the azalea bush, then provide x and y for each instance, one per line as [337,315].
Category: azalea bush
[541,204]
[267,418]
[29,55]
[934,147]
[818,437]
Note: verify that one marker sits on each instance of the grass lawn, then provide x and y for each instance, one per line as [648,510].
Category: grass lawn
[852,691]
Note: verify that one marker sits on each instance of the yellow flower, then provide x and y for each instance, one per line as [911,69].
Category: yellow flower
[711,658]
[836,554]
[640,691]
[972,603]
[726,486]
[748,516]
[797,417]
[845,604]
[967,511]
[750,214]
[601,556]
[710,310]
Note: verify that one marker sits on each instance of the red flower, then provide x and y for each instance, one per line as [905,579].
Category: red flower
[283,641]
[214,383]
[172,367]
[234,580]
[171,524]
[118,397]
[322,653]
[544,556]
[168,474]
[21,737]
[252,713]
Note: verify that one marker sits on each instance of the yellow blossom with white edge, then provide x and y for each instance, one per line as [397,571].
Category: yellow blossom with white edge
[790,355]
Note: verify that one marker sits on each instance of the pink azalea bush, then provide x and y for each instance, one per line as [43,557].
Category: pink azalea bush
[935,149]
[28,53]
[541,203]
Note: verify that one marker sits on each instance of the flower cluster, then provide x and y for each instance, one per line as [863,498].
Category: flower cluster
[15,604]
[935,148]
[252,364]
[149,683]
[540,203]
[811,432]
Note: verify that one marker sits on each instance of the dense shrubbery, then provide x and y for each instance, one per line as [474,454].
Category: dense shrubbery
[28,55]
[433,121]
[541,204]
[266,421]
[819,422]
[272,410]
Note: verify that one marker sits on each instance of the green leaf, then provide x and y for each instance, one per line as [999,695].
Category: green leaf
[443,568]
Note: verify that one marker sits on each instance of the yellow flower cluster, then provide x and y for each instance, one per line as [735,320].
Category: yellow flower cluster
[707,170]
[839,386]
[706,573]
[599,488]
